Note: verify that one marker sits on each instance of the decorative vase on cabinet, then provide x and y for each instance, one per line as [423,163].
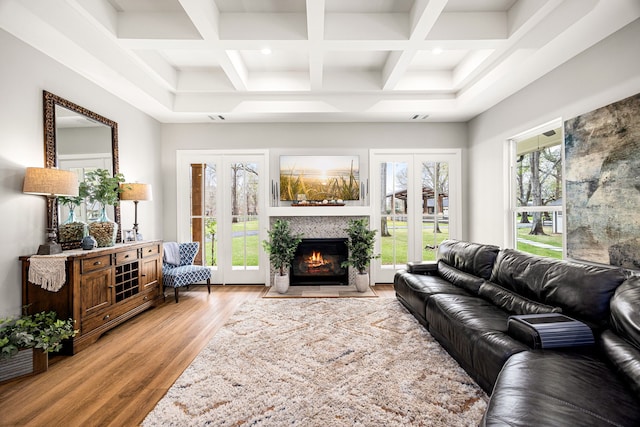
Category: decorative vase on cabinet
[104,230]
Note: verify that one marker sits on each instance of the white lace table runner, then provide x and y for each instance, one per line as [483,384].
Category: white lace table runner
[48,271]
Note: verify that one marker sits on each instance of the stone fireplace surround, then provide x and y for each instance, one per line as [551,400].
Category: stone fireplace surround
[318,227]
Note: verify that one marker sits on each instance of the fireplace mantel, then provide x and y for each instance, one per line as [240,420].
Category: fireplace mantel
[319,211]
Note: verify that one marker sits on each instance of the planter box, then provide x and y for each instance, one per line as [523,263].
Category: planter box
[27,362]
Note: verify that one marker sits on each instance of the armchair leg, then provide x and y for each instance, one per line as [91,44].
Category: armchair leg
[176,294]
[209,285]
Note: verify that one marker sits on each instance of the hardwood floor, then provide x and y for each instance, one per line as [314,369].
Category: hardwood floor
[120,378]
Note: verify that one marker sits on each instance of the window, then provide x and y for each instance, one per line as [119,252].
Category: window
[537,203]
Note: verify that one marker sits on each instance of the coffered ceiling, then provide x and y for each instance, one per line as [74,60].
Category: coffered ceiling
[313,60]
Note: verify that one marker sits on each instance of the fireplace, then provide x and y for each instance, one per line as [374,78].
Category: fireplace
[318,262]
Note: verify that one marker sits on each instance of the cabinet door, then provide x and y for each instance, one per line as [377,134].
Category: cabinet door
[96,291]
[149,273]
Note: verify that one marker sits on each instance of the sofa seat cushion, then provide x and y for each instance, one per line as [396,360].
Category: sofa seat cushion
[549,388]
[413,290]
[473,331]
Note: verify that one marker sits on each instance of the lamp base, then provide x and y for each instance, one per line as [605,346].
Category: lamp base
[49,248]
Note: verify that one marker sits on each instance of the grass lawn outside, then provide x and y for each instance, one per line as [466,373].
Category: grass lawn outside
[399,241]
[551,239]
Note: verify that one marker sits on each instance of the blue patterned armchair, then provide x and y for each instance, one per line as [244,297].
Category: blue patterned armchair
[178,269]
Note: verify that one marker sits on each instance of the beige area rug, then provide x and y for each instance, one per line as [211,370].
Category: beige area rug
[321,362]
[321,291]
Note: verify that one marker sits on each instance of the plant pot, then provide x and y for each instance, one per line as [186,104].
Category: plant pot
[281,283]
[362,282]
[28,361]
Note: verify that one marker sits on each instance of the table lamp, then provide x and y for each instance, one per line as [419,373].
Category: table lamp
[136,192]
[50,182]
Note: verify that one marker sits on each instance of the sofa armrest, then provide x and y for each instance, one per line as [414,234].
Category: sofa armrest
[549,330]
[428,268]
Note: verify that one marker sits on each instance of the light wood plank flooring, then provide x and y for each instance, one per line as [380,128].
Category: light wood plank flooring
[120,378]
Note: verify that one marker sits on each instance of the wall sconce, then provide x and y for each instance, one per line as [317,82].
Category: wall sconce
[136,192]
[51,183]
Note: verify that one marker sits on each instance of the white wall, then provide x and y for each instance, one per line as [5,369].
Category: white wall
[607,72]
[331,137]
[24,74]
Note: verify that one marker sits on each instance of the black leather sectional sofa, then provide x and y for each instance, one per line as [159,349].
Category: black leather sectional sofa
[465,299]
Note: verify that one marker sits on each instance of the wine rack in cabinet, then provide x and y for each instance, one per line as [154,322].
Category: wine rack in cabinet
[104,287]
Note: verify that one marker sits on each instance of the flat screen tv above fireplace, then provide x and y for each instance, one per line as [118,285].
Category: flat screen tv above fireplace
[317,178]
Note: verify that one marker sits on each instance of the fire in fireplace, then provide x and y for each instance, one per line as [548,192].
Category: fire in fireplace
[318,262]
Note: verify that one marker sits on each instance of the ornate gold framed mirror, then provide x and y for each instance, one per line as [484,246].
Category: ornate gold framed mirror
[76,138]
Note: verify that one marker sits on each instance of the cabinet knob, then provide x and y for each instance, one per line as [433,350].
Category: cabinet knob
[145,298]
[106,317]
[97,263]
[144,275]
[126,256]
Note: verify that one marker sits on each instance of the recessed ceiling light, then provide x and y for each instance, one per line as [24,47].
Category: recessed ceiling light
[265,51]
[437,50]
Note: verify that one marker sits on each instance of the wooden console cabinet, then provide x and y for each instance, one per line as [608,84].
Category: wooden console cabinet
[104,287]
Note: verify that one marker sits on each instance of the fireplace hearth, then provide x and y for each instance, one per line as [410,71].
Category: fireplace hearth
[318,262]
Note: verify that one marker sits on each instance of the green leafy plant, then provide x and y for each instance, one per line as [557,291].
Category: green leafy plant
[360,245]
[102,187]
[73,202]
[41,330]
[282,245]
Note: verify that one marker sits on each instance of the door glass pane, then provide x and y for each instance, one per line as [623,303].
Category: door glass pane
[245,242]
[203,212]
[393,215]
[435,207]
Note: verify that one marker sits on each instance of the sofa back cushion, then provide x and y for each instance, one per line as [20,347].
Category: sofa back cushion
[512,302]
[580,290]
[466,281]
[473,258]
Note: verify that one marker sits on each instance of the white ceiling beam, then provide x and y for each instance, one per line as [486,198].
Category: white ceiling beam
[423,17]
[206,18]
[315,35]
[230,103]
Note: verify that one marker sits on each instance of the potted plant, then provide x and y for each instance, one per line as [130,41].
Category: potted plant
[73,230]
[103,188]
[26,340]
[282,245]
[360,245]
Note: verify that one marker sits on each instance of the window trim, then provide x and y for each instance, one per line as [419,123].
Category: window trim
[511,202]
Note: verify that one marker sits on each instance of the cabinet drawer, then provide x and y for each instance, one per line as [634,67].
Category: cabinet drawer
[150,250]
[125,257]
[96,263]
[117,312]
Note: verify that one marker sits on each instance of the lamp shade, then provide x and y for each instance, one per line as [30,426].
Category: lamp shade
[135,191]
[50,182]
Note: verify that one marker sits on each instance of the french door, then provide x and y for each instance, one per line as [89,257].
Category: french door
[221,196]
[416,205]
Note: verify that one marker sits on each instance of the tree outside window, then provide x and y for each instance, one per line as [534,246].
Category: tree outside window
[538,194]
